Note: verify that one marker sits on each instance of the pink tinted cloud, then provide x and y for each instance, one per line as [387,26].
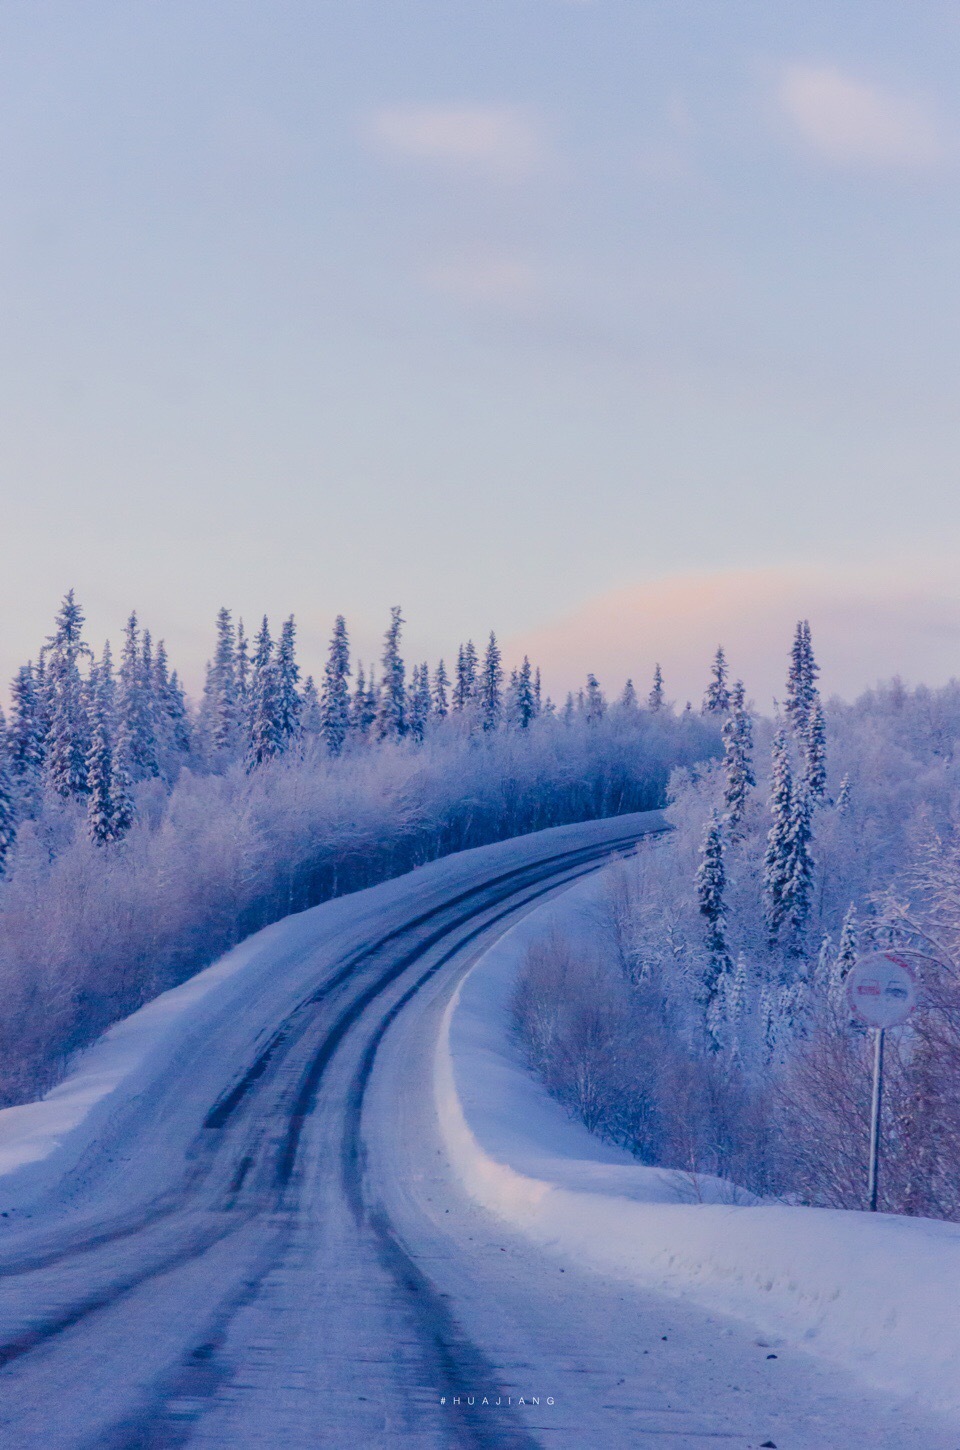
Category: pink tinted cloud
[867,625]
[849,121]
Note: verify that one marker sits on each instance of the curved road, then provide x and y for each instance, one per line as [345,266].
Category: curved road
[265,1249]
[128,1328]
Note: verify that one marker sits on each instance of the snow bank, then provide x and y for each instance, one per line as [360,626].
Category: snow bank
[878,1294]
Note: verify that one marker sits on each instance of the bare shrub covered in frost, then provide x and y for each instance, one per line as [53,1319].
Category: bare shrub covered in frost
[611,1050]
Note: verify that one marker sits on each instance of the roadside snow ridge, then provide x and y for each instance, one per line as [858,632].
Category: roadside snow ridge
[876,1293]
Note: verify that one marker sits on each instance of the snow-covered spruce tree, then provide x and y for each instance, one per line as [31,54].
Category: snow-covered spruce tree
[735,1006]
[815,753]
[221,708]
[776,861]
[595,705]
[360,716]
[150,706]
[423,695]
[25,732]
[147,661]
[804,714]
[416,724]
[128,684]
[121,790]
[569,711]
[510,704]
[418,705]
[44,702]
[797,701]
[266,738]
[655,699]
[843,797]
[243,676]
[788,873]
[263,651]
[179,713]
[717,699]
[372,700]
[391,722]
[739,779]
[174,728]
[311,716]
[266,742]
[8,815]
[288,684]
[525,699]
[538,690]
[490,689]
[823,967]
[801,682]
[798,888]
[711,889]
[103,692]
[465,685]
[459,682]
[88,695]
[769,1021]
[441,693]
[510,698]
[793,1004]
[846,956]
[335,698]
[471,667]
[628,697]
[135,705]
[100,812]
[67,741]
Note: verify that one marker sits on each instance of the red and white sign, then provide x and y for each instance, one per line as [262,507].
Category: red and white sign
[882,989]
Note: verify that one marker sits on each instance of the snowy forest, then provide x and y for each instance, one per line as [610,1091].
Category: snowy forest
[709,1030]
[142,834]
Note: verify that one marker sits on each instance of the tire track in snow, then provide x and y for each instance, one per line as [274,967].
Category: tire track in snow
[181,1397]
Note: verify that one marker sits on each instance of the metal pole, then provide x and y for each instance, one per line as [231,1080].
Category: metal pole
[875,1108]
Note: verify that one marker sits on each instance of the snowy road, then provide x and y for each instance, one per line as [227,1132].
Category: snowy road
[263,1244]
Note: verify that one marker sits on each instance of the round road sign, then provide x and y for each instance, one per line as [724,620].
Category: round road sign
[882,989]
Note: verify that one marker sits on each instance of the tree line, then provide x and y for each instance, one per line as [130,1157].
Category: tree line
[83,728]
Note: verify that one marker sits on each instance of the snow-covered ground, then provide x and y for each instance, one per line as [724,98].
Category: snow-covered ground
[239,1224]
[874,1292]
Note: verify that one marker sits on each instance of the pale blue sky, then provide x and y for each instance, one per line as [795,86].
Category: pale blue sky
[488,308]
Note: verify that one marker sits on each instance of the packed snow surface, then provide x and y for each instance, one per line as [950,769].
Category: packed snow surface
[875,1293]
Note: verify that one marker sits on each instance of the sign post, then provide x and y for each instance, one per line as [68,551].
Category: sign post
[876,1106]
[882,993]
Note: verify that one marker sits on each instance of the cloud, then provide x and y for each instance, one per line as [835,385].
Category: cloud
[868,624]
[500,141]
[852,123]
